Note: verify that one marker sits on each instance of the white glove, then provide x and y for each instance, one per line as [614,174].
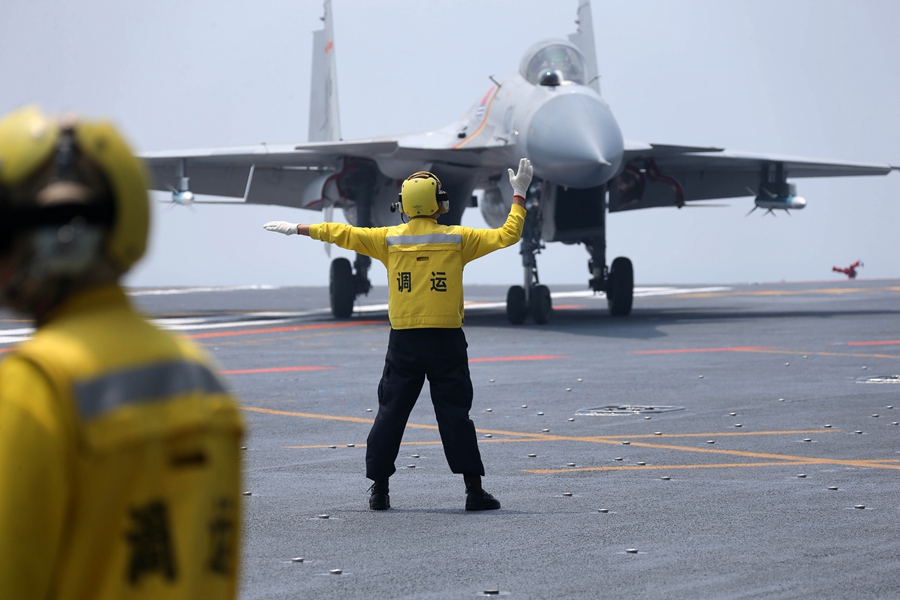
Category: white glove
[281,227]
[521,180]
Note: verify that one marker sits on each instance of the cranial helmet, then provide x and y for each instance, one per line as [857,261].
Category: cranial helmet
[72,194]
[421,195]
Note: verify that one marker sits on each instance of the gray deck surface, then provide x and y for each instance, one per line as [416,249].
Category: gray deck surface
[777,477]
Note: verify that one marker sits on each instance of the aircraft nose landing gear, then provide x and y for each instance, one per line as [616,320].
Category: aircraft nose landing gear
[518,306]
[533,298]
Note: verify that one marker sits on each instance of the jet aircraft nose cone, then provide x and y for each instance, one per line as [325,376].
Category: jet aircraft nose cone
[574,140]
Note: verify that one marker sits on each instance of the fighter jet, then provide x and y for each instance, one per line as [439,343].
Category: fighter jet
[551,111]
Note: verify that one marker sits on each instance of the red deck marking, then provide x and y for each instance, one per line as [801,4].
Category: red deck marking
[690,350]
[214,334]
[882,343]
[510,358]
[275,370]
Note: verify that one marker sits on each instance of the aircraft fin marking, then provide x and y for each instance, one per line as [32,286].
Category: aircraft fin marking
[324,116]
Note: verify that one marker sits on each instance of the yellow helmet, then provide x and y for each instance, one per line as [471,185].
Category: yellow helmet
[421,195]
[93,163]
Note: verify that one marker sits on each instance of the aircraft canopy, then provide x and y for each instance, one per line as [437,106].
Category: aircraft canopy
[553,62]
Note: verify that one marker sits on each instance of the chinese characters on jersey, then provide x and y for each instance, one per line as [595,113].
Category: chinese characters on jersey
[438,281]
[152,549]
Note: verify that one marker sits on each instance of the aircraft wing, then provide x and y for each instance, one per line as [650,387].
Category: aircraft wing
[263,174]
[706,173]
[281,174]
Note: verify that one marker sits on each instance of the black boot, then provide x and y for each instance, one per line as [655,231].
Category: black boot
[379,500]
[476,497]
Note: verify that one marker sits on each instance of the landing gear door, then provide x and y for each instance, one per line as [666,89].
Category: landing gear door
[571,215]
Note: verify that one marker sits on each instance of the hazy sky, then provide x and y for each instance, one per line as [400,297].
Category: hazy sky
[814,78]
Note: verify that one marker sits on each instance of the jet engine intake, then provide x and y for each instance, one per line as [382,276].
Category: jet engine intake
[495,205]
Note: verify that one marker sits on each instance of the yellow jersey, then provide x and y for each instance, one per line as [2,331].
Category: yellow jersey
[119,462]
[425,262]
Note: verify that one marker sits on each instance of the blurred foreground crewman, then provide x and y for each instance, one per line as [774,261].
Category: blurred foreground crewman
[119,445]
[425,262]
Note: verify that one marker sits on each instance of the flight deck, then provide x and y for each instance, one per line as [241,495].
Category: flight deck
[727,441]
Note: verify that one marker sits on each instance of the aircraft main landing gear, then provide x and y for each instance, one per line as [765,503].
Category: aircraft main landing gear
[346,282]
[344,285]
[617,282]
[620,287]
[341,290]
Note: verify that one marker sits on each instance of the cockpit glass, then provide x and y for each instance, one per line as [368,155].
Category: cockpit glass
[563,61]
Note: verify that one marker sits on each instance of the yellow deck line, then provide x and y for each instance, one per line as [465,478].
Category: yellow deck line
[519,436]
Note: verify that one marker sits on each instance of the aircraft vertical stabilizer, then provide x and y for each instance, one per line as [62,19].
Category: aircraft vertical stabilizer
[584,39]
[324,117]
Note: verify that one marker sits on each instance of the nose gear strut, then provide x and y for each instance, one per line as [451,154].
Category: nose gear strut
[531,298]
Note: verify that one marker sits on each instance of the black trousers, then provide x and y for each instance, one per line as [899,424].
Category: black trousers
[412,355]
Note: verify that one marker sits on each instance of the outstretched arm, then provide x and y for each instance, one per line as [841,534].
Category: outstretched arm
[364,240]
[287,228]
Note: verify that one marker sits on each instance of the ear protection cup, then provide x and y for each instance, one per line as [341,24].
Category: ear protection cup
[443,200]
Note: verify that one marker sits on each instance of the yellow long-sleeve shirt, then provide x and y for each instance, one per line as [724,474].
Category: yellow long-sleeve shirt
[119,462]
[425,262]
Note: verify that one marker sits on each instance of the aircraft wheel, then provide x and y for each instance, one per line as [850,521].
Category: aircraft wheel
[541,304]
[341,288]
[620,294]
[516,309]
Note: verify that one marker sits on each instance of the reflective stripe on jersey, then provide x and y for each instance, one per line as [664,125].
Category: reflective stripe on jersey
[431,238]
[98,396]
[425,262]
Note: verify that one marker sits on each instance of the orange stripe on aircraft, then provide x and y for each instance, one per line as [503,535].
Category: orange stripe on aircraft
[514,358]
[275,370]
[691,350]
[484,120]
[215,334]
[882,343]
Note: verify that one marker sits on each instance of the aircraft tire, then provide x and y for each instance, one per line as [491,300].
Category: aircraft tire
[541,305]
[516,308]
[341,288]
[620,294]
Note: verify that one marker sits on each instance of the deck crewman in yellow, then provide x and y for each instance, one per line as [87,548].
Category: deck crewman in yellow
[119,445]
[425,263]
